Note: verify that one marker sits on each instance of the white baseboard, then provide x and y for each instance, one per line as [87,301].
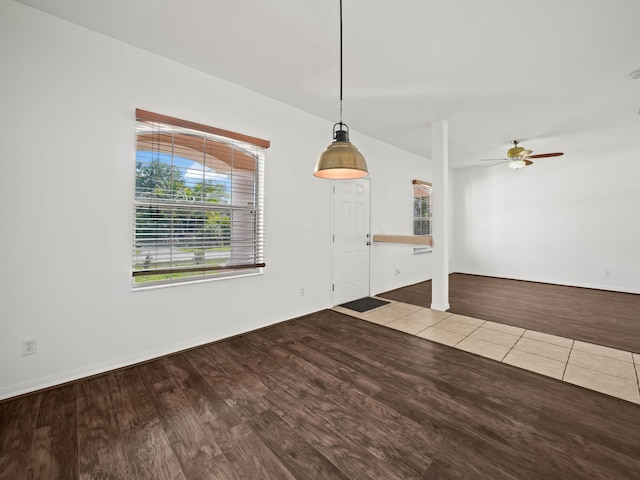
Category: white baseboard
[129,360]
[440,308]
[608,288]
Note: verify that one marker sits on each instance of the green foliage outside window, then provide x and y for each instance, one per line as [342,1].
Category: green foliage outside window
[421,210]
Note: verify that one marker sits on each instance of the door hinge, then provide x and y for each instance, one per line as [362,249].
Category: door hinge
[333,287]
[334,238]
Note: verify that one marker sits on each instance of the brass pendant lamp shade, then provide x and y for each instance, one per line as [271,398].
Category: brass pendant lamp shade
[341,160]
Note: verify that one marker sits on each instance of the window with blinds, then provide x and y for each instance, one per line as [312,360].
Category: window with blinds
[421,207]
[198,201]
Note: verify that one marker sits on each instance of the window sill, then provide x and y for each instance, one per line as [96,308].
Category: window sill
[141,288]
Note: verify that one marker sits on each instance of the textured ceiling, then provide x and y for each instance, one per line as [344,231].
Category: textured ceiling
[554,73]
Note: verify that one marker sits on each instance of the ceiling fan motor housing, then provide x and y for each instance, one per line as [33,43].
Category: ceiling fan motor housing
[515,152]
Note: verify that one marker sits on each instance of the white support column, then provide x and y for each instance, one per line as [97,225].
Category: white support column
[440,215]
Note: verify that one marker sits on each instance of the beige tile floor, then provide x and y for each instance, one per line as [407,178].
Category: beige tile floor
[603,369]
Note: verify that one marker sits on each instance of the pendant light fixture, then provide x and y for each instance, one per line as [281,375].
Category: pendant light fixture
[341,160]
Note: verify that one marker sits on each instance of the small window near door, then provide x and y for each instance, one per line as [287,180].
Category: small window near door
[421,208]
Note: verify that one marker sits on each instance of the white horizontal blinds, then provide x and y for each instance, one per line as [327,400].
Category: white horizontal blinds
[421,207]
[198,201]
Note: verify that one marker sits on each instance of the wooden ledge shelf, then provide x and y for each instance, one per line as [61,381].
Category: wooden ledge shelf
[406,239]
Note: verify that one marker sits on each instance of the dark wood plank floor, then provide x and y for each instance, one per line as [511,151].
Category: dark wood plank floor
[326,396]
[596,316]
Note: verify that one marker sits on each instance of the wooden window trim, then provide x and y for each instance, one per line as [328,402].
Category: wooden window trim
[144,115]
[421,182]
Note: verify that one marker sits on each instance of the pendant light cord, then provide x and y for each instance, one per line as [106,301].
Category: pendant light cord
[341,62]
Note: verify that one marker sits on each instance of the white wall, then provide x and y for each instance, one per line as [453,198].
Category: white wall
[392,214]
[67,127]
[563,220]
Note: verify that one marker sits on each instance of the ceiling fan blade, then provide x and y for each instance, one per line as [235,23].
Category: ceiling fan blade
[527,162]
[546,155]
[525,153]
[500,161]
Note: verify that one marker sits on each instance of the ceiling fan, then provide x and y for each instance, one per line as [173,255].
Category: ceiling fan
[518,157]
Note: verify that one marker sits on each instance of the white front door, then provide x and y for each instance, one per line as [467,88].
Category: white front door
[351,240]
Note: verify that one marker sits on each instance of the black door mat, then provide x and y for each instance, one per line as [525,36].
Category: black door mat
[364,304]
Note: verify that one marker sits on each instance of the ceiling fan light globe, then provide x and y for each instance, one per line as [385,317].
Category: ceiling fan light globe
[518,163]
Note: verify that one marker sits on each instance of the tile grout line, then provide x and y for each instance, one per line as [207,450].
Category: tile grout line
[435,325]
[604,373]
[635,367]
[513,346]
[547,343]
[564,372]
[431,326]
[604,356]
[455,345]
[467,335]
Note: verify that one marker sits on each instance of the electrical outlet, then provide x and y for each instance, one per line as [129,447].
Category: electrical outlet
[29,346]
[302,292]
[397,271]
